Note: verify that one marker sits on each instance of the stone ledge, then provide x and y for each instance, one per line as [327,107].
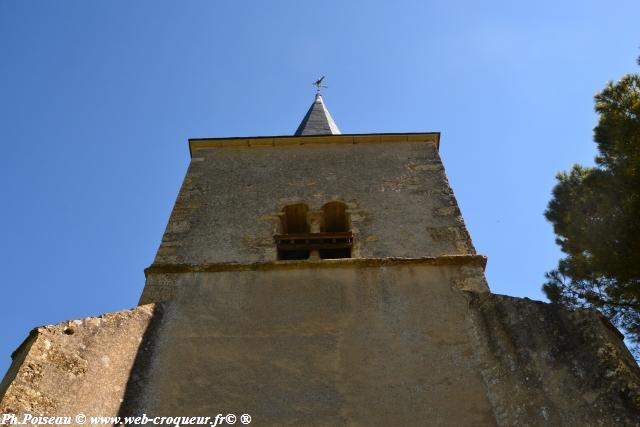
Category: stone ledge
[473,260]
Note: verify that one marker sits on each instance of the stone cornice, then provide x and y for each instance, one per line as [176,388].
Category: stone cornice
[473,260]
[196,144]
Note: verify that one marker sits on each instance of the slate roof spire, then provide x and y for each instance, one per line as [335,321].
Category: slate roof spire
[317,121]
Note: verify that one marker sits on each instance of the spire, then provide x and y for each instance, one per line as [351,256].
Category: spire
[318,121]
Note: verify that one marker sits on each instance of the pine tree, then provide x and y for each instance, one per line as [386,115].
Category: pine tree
[595,212]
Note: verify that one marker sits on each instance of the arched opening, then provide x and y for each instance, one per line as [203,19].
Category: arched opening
[334,218]
[294,225]
[335,225]
[294,220]
[297,242]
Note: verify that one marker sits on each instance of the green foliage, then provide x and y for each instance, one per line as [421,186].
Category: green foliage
[595,214]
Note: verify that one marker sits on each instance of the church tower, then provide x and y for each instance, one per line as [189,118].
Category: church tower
[328,279]
[330,201]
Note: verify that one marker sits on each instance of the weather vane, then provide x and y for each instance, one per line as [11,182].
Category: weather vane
[318,84]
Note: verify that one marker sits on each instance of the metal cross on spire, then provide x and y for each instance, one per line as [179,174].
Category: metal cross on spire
[318,84]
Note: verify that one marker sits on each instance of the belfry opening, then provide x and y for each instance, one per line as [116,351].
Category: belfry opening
[295,224]
[323,234]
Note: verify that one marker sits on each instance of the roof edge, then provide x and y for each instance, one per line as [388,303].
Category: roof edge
[196,144]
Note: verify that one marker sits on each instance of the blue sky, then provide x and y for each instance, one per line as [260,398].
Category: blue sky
[98,99]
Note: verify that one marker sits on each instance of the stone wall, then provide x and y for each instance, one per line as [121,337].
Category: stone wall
[391,345]
[545,365]
[81,366]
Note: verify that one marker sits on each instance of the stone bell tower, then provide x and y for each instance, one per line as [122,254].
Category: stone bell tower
[350,201]
[328,279]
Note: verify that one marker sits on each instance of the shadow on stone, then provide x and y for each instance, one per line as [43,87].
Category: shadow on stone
[133,402]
